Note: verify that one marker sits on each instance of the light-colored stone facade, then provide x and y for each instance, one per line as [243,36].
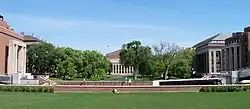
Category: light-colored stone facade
[208,59]
[117,68]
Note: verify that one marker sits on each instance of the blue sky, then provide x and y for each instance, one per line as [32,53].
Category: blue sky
[94,24]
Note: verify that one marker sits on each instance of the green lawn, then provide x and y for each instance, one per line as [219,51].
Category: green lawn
[239,100]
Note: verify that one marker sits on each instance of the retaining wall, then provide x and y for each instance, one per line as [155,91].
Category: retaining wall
[68,88]
[104,83]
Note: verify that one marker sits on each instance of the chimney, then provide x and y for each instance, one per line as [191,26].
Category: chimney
[22,33]
[1,18]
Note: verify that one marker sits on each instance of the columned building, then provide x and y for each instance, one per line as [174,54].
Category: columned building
[117,68]
[208,58]
[12,50]
[237,51]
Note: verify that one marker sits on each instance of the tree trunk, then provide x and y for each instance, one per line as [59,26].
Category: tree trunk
[166,73]
[136,73]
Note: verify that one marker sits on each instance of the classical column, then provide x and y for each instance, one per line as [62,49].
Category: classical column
[15,59]
[214,59]
[10,58]
[126,70]
[240,53]
[118,71]
[235,57]
[230,59]
[20,59]
[209,61]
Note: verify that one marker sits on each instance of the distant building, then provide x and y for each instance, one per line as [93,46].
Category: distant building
[30,39]
[117,68]
[208,58]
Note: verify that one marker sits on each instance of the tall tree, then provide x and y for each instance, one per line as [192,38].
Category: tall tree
[166,52]
[134,54]
[40,58]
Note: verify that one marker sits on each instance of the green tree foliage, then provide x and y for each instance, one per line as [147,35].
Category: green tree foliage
[40,58]
[182,65]
[65,62]
[136,55]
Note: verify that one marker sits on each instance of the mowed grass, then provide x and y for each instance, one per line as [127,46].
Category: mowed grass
[237,100]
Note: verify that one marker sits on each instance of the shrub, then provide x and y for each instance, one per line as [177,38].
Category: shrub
[224,88]
[27,89]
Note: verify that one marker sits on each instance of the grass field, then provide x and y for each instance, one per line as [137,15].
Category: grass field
[125,101]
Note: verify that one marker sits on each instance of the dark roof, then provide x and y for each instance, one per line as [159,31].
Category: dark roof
[113,55]
[29,38]
[215,37]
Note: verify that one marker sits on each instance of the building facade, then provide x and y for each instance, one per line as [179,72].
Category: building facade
[117,68]
[208,58]
[236,51]
[12,50]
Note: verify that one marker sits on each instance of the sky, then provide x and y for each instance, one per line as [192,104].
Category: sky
[105,25]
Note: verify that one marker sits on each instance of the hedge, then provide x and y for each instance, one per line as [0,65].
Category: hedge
[225,89]
[48,89]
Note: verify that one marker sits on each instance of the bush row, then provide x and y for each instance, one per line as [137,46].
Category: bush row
[48,89]
[225,89]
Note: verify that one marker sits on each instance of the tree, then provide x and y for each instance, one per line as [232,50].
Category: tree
[166,52]
[135,55]
[182,65]
[40,58]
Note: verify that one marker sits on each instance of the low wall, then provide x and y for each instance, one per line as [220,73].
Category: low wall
[67,88]
[29,82]
[104,83]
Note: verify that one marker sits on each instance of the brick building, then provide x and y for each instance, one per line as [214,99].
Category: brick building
[12,50]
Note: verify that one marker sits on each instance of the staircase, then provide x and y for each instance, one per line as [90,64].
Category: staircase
[45,81]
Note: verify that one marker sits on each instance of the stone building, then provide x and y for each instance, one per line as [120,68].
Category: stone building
[117,68]
[236,53]
[208,58]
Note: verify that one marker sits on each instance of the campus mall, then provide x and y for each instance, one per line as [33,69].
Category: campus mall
[13,56]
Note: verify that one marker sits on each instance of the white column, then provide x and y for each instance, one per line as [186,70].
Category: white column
[124,69]
[215,69]
[10,58]
[127,69]
[15,58]
[121,69]
[209,61]
[118,69]
[20,60]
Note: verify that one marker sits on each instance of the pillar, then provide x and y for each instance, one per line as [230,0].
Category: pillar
[235,57]
[214,59]
[15,59]
[209,62]
[240,53]
[118,71]
[230,59]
